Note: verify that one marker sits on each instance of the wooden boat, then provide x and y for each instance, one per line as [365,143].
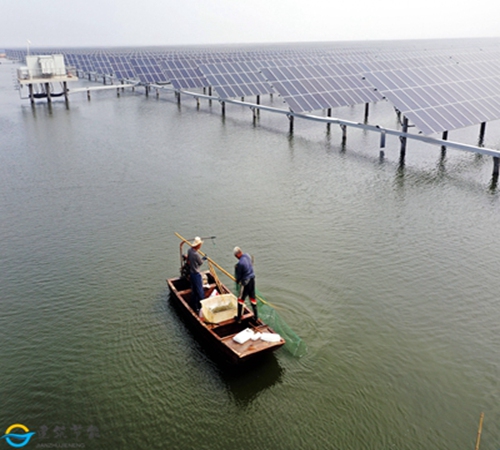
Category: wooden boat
[219,336]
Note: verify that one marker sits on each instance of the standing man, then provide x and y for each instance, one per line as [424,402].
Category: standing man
[245,277]
[195,261]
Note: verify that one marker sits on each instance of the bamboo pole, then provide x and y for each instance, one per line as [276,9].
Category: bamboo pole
[216,278]
[479,431]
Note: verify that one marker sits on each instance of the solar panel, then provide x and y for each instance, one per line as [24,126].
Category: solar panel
[235,79]
[315,87]
[101,64]
[84,63]
[122,69]
[184,73]
[148,70]
[443,98]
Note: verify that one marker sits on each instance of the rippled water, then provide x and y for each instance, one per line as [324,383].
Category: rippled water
[389,272]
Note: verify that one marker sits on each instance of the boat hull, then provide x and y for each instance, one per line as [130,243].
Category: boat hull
[219,337]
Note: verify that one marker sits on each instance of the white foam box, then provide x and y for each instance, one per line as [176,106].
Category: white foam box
[218,308]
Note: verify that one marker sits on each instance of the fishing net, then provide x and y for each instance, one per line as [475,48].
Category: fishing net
[293,343]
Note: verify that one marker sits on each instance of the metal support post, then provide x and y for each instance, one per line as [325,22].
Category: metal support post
[65,90]
[367,110]
[443,147]
[47,91]
[382,139]
[496,164]
[32,97]
[344,134]
[481,133]
[403,139]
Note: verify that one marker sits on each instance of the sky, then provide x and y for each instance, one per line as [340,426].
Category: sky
[110,23]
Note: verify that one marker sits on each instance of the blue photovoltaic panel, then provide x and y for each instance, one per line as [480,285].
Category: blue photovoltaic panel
[184,74]
[443,98]
[148,70]
[83,63]
[235,79]
[311,88]
[122,69]
[101,64]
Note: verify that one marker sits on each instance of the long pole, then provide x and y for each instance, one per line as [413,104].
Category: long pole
[479,431]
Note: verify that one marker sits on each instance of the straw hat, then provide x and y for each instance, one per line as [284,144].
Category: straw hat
[197,241]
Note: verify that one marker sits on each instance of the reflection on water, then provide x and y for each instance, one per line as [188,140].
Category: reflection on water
[246,383]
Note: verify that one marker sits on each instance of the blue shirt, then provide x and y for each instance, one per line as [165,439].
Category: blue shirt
[244,269]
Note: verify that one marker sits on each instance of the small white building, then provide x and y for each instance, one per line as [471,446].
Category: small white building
[42,71]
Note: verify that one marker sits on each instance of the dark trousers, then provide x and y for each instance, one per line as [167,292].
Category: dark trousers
[197,292]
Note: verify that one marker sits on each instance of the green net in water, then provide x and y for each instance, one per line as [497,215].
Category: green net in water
[293,343]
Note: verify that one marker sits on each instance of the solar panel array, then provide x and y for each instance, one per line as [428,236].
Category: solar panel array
[439,87]
[184,73]
[148,70]
[122,68]
[236,79]
[315,87]
[444,97]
